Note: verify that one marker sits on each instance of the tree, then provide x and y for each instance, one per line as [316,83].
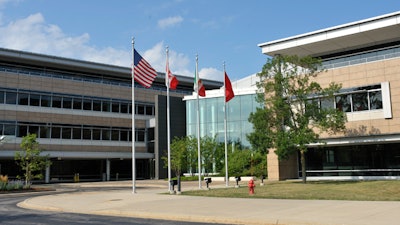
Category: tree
[293,116]
[209,153]
[191,154]
[178,155]
[260,139]
[30,158]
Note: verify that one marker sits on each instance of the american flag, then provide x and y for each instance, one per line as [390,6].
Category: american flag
[144,74]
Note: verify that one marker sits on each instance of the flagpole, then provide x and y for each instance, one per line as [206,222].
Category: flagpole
[198,122]
[225,134]
[133,120]
[168,123]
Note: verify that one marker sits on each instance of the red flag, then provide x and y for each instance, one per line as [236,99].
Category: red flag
[144,74]
[201,88]
[173,81]
[228,89]
[170,80]
[198,85]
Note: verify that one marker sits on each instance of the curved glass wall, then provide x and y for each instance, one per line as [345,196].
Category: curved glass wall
[211,114]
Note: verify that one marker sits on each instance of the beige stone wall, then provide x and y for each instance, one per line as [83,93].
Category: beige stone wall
[360,123]
[362,75]
[281,170]
[64,86]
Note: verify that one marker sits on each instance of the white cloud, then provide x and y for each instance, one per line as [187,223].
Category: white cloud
[178,62]
[33,34]
[169,22]
[211,74]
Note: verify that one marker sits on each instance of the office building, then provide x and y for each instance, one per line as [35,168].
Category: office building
[81,112]
[363,56]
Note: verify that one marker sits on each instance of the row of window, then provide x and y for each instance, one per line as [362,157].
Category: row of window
[355,99]
[77,132]
[364,57]
[54,100]
[85,78]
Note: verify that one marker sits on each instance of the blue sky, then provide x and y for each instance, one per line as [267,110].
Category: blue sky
[217,30]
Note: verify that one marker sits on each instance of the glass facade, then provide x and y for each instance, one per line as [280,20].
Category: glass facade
[54,100]
[356,160]
[211,113]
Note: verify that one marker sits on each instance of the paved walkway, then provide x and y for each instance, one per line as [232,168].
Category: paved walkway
[148,202]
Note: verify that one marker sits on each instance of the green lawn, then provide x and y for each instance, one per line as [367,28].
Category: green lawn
[327,190]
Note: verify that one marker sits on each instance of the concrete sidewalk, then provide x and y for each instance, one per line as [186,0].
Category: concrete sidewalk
[149,202]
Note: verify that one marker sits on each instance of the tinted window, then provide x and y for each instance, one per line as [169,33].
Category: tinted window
[106,106]
[23,99]
[66,133]
[87,104]
[360,101]
[1,97]
[45,101]
[55,132]
[77,103]
[96,105]
[343,103]
[56,102]
[11,98]
[34,100]
[76,133]
[67,103]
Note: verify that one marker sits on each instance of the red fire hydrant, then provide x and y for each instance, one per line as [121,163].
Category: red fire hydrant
[251,186]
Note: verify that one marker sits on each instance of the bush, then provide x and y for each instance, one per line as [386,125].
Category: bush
[12,185]
[3,186]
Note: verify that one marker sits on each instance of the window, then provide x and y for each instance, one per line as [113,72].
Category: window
[96,105]
[327,103]
[77,103]
[149,110]
[140,135]
[34,100]
[76,133]
[106,106]
[11,98]
[45,101]
[66,133]
[343,103]
[87,134]
[96,134]
[360,101]
[34,130]
[115,107]
[22,130]
[87,104]
[124,108]
[55,132]
[56,102]
[1,97]
[23,99]
[44,132]
[67,103]
[375,99]
[140,109]
[106,134]
[115,135]
[124,135]
[9,129]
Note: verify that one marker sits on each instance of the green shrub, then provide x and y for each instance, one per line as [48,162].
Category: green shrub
[12,185]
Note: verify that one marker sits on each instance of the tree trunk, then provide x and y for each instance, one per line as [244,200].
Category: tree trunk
[303,166]
[27,175]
